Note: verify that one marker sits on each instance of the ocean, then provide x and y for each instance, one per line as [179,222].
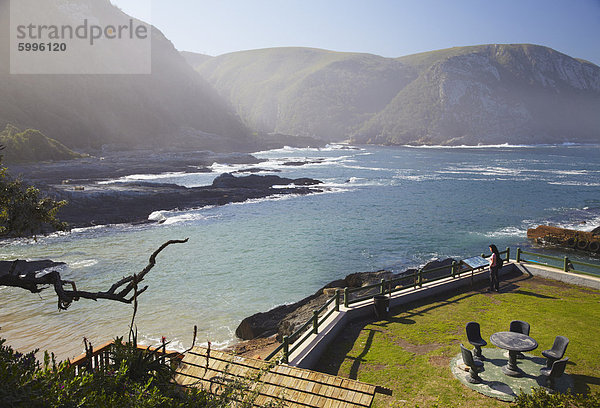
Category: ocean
[381,208]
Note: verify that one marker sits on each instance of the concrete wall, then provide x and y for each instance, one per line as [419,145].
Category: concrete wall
[556,274]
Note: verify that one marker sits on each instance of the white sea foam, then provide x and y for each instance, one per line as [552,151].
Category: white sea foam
[574,183]
[85,263]
[496,146]
[327,148]
[92,228]
[277,164]
[365,168]
[177,217]
[416,177]
[353,183]
[228,168]
[481,170]
[506,232]
[145,177]
[589,224]
[158,216]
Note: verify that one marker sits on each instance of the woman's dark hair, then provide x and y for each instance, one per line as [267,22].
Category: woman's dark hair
[495,250]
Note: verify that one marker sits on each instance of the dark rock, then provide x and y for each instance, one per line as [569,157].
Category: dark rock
[227,180]
[304,162]
[134,202]
[285,320]
[437,264]
[256,170]
[359,279]
[596,231]
[263,324]
[24,267]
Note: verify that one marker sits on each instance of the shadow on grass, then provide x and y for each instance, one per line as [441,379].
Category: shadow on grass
[393,319]
[537,295]
[583,382]
[332,360]
[511,284]
[360,358]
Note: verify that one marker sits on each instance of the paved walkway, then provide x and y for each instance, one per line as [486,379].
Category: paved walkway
[500,386]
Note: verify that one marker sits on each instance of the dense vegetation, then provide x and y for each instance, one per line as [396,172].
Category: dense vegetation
[32,146]
[24,210]
[134,378]
[539,398]
[465,95]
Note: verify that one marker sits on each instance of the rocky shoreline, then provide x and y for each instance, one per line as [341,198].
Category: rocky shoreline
[286,319]
[92,203]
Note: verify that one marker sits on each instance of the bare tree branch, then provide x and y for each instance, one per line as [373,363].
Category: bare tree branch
[119,291]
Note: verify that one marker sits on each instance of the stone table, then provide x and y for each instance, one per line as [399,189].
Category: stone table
[514,343]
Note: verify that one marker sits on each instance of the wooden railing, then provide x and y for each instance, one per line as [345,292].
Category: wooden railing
[100,358]
[564,263]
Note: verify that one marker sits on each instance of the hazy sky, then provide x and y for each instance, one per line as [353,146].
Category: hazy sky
[390,28]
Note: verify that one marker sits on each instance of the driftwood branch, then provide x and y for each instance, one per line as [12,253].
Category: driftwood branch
[125,290]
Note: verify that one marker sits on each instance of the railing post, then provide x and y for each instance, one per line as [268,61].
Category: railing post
[346,296]
[420,278]
[286,350]
[337,300]
[507,254]
[566,265]
[315,322]
[453,270]
[382,287]
[519,254]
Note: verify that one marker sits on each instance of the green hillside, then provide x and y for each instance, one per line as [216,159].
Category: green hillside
[304,91]
[32,146]
[465,95]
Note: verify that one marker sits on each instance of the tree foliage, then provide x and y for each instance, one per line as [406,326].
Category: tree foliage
[25,382]
[32,146]
[128,380]
[24,210]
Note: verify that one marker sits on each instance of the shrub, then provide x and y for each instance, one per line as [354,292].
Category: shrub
[135,378]
[24,210]
[540,398]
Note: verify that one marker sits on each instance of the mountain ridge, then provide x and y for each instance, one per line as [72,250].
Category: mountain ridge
[482,94]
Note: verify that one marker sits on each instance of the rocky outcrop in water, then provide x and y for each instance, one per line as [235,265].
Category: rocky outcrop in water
[227,180]
[22,267]
[93,201]
[566,238]
[133,202]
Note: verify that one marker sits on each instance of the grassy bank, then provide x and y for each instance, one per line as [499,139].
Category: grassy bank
[410,352]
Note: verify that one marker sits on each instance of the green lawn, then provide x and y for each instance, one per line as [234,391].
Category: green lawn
[411,351]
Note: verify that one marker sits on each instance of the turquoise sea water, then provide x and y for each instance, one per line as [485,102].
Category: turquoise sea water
[382,207]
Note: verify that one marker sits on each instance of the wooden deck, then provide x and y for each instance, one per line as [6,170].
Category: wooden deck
[296,387]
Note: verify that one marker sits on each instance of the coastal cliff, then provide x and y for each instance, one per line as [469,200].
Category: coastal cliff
[485,94]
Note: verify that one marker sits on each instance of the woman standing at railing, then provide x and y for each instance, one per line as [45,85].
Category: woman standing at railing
[494,267]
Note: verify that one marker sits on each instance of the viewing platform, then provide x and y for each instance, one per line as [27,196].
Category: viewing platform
[423,327]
